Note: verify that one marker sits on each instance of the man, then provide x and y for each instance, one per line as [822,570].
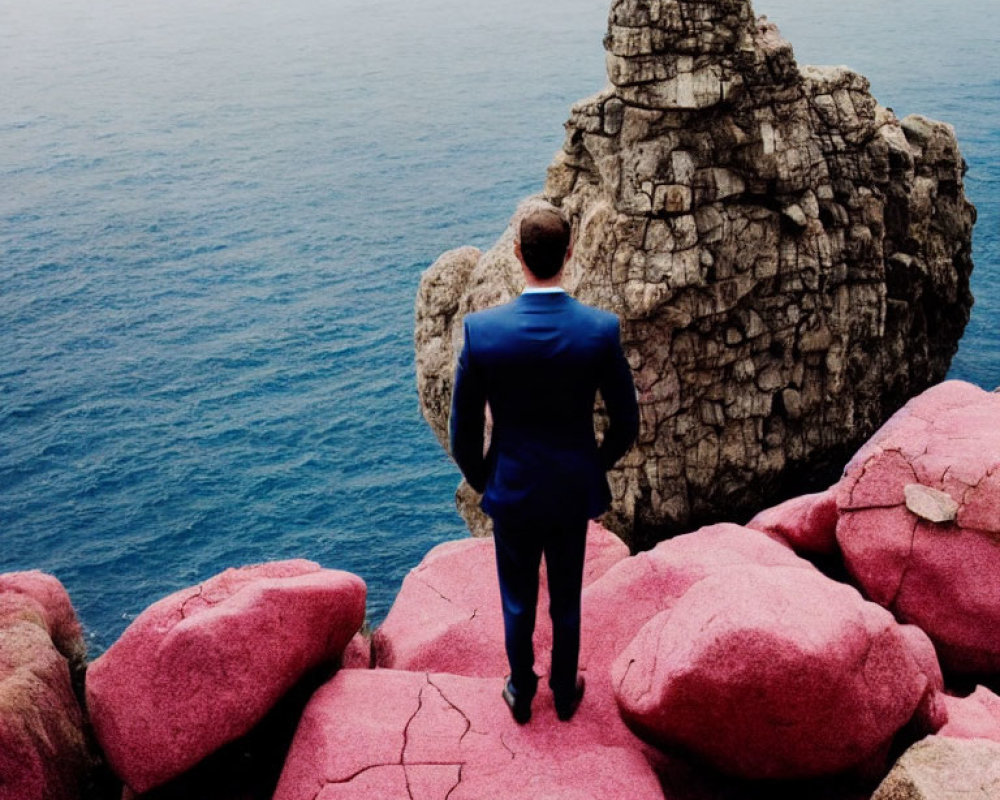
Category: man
[538,363]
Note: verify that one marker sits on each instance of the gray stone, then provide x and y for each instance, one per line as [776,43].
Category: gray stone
[940,768]
[785,255]
[930,504]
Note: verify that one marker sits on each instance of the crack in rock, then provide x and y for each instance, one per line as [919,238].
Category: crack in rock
[443,696]
[869,463]
[434,589]
[507,747]
[406,741]
[461,768]
[197,596]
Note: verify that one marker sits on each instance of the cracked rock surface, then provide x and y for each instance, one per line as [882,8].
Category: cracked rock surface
[940,576]
[790,261]
[944,769]
[447,616]
[204,665]
[421,736]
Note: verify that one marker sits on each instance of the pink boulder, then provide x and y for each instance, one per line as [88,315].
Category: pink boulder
[932,712]
[43,752]
[772,672]
[974,717]
[919,521]
[357,654]
[627,596]
[447,616]
[394,734]
[50,604]
[204,665]
[807,524]
[632,592]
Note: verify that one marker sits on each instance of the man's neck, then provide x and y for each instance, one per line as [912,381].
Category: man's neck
[548,286]
[555,282]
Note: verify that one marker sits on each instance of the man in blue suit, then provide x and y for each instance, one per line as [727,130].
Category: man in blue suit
[538,362]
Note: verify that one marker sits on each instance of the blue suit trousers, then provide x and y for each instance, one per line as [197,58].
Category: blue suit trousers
[519,549]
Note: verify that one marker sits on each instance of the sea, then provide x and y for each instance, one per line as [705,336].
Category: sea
[214,215]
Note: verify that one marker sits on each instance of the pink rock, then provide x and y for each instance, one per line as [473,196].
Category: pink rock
[52,604]
[616,606]
[808,524]
[358,653]
[43,753]
[447,616]
[771,672]
[202,666]
[394,734]
[638,588]
[932,713]
[939,576]
[974,717]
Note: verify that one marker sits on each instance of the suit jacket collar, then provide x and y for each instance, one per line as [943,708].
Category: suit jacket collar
[542,290]
[542,300]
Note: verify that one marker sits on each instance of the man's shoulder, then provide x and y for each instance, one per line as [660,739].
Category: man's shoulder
[506,314]
[486,316]
[607,320]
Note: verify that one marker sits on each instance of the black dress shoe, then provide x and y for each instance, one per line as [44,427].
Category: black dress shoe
[519,704]
[566,708]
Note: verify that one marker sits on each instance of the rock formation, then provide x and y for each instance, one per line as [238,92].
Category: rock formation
[771,672]
[441,621]
[712,660]
[393,734]
[43,748]
[919,521]
[938,768]
[200,668]
[807,524]
[974,717]
[790,261]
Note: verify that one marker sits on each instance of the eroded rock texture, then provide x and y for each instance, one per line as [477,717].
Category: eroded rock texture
[919,521]
[939,768]
[43,747]
[790,261]
[201,667]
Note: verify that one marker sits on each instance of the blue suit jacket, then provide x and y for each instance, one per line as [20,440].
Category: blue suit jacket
[539,362]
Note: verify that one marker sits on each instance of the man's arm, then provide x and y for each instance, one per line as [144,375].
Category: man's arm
[618,393]
[468,408]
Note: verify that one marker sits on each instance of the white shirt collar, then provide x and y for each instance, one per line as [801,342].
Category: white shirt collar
[543,290]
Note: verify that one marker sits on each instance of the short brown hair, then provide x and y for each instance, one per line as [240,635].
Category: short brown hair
[544,238]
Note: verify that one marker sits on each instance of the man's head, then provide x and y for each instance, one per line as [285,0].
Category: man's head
[541,239]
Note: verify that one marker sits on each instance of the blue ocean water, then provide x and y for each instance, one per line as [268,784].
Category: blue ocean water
[213,220]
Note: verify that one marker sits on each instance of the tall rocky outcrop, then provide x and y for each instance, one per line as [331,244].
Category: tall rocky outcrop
[790,261]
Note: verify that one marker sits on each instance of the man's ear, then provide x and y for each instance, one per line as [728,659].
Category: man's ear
[569,252]
[517,252]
